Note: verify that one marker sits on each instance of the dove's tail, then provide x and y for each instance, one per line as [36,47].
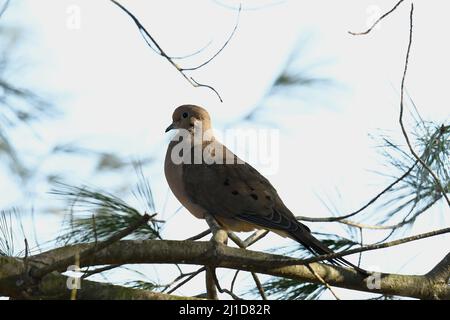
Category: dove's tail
[315,246]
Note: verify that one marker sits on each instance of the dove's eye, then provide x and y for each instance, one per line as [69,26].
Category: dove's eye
[185,115]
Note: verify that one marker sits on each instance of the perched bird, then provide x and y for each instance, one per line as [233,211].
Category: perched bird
[207,178]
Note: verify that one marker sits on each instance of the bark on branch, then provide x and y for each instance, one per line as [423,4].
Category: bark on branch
[428,286]
[14,283]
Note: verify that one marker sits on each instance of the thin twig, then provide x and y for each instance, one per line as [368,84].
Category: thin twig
[375,246]
[200,235]
[94,229]
[190,276]
[377,21]
[389,187]
[189,55]
[25,259]
[158,49]
[259,286]
[258,235]
[233,282]
[197,84]
[222,290]
[89,273]
[252,239]
[362,244]
[223,46]
[323,281]
[402,92]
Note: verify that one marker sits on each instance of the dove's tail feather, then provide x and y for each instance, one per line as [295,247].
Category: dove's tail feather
[318,248]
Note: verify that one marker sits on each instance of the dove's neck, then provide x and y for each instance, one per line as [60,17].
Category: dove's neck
[196,135]
[202,133]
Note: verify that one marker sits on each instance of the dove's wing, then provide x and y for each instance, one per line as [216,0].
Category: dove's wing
[237,191]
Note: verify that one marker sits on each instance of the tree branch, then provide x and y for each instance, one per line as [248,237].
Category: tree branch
[54,286]
[64,263]
[341,218]
[151,42]
[402,125]
[441,272]
[218,255]
[377,21]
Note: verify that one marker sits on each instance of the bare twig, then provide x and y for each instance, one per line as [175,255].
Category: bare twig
[151,42]
[405,133]
[197,84]
[193,53]
[258,235]
[223,46]
[377,21]
[323,281]
[89,273]
[259,286]
[362,244]
[233,282]
[189,276]
[339,218]
[211,283]
[250,240]
[27,251]
[200,235]
[377,246]
[223,290]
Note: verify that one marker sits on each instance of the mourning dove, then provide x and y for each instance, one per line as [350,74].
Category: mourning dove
[220,184]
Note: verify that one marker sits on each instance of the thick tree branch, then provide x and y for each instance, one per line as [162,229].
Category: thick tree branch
[54,286]
[441,272]
[218,255]
[62,264]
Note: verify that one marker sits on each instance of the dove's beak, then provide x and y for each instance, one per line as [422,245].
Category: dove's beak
[172,126]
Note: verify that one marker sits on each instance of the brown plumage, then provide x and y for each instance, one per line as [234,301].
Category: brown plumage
[232,191]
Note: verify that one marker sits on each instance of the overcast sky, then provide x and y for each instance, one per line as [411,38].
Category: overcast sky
[117,94]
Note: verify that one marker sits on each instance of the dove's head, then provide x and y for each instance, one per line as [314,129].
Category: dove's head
[188,116]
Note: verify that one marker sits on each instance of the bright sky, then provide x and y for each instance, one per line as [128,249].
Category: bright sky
[116,94]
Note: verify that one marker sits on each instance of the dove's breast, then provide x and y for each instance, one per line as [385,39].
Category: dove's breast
[174,177]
